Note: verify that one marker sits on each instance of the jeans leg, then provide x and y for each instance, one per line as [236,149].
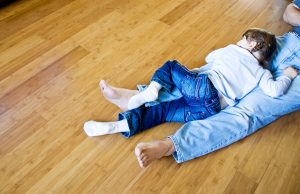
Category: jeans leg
[256,110]
[143,118]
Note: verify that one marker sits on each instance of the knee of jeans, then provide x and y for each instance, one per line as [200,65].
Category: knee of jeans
[173,61]
[170,62]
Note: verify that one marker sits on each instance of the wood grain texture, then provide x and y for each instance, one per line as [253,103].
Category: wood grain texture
[52,56]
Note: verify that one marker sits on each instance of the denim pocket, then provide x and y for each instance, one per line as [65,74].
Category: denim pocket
[193,88]
[189,87]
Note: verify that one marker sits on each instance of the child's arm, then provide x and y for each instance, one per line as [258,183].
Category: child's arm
[290,72]
[278,87]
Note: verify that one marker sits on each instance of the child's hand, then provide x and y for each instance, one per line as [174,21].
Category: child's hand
[290,72]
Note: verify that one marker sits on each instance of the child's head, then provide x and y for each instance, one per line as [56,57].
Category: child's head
[260,43]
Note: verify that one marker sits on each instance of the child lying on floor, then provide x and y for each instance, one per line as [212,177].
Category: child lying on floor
[230,74]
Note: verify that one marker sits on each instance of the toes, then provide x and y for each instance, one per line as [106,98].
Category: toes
[141,156]
[143,162]
[138,150]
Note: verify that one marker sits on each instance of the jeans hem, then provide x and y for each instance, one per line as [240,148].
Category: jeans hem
[122,116]
[177,155]
[163,84]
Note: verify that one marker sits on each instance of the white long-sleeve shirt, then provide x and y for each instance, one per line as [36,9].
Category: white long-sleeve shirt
[234,71]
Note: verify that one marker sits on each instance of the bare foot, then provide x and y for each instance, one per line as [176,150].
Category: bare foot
[117,96]
[148,152]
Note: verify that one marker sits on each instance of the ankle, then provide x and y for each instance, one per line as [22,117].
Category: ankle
[170,148]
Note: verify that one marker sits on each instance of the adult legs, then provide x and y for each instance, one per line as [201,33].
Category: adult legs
[255,111]
[232,124]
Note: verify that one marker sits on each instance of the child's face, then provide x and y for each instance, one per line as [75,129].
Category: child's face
[246,44]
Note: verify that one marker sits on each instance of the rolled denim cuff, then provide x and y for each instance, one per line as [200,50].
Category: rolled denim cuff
[177,155]
[163,84]
[162,71]
[296,3]
[164,95]
[148,104]
[131,132]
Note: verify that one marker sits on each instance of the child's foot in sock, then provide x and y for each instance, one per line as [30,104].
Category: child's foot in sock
[117,96]
[148,95]
[93,128]
[148,152]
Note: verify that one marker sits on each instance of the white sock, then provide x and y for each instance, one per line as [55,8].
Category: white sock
[148,95]
[93,128]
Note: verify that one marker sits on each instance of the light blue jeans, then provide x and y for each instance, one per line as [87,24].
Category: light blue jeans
[256,110]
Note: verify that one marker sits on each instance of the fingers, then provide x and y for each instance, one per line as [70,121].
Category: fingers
[291,72]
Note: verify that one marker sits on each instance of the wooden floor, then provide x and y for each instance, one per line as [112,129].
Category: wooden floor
[54,52]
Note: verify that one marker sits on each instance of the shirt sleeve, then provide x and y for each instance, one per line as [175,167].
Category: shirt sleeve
[274,88]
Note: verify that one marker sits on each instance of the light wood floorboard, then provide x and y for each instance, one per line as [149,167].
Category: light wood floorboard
[52,56]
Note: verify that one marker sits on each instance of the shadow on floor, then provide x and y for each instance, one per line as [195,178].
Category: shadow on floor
[4,3]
